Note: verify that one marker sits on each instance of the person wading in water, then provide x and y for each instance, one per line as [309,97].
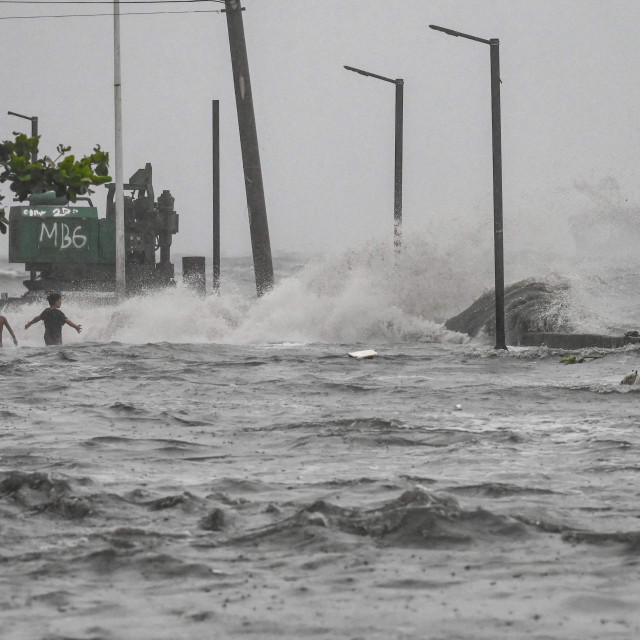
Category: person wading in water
[53,320]
[5,323]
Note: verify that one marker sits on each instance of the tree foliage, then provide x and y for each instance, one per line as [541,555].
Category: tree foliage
[67,176]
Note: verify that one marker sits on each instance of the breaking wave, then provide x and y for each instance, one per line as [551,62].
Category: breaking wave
[368,296]
[417,518]
[358,296]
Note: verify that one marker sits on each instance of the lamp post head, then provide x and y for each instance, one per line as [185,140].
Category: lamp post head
[20,115]
[450,32]
[370,75]
[362,73]
[459,34]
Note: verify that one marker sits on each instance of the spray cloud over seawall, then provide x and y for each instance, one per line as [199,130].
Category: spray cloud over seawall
[356,296]
[603,265]
[369,294]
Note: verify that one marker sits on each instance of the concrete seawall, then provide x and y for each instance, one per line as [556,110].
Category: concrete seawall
[575,340]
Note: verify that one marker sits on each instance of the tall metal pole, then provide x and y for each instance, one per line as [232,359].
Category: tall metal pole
[34,129]
[34,157]
[34,134]
[258,225]
[397,195]
[496,134]
[117,87]
[397,181]
[215,126]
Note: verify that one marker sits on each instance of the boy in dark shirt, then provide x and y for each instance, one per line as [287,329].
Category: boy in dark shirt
[53,320]
[5,323]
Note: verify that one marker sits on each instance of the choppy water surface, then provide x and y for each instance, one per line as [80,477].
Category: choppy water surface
[225,482]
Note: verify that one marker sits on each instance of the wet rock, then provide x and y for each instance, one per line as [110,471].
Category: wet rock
[530,305]
[42,493]
[214,521]
[167,502]
[271,508]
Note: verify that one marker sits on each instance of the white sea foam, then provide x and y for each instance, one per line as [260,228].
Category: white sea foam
[366,295]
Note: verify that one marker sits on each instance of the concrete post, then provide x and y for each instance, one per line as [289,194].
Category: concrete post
[258,225]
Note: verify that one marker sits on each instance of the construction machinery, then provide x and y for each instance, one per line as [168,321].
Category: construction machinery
[68,247]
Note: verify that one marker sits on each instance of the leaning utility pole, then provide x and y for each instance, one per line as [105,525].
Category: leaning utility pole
[258,225]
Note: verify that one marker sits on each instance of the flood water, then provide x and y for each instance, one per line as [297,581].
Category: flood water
[220,468]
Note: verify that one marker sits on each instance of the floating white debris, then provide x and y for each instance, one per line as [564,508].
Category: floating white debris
[361,355]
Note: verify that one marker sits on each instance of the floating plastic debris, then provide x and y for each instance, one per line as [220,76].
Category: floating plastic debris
[361,355]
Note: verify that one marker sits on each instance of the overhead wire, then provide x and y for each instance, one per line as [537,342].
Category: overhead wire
[109,2]
[96,15]
[105,1]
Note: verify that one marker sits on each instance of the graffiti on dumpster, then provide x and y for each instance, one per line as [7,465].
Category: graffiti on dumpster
[62,236]
[56,212]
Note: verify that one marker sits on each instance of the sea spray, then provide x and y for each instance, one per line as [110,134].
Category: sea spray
[368,295]
[604,300]
[364,295]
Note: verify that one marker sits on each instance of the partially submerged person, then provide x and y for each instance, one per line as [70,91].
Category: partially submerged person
[53,320]
[5,323]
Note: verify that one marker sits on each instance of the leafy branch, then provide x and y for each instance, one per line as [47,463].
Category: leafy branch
[66,176]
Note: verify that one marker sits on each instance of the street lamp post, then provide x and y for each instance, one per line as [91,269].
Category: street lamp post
[34,129]
[494,49]
[215,129]
[397,193]
[34,154]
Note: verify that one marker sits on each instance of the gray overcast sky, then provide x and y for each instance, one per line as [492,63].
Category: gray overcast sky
[570,99]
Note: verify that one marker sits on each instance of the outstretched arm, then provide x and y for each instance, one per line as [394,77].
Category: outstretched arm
[77,327]
[10,330]
[36,319]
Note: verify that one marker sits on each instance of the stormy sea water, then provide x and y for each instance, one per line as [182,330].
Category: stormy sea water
[219,467]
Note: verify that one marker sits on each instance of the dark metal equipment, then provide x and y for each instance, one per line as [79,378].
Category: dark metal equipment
[496,130]
[149,225]
[67,247]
